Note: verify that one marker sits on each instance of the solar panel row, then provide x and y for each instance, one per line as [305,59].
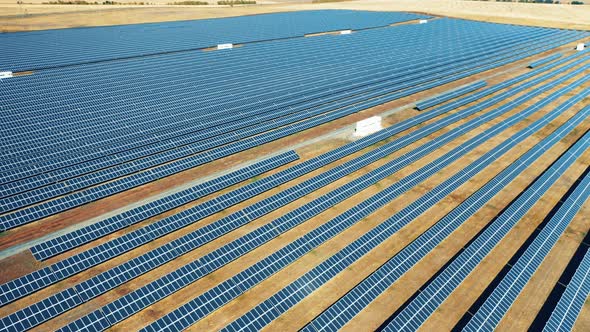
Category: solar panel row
[569,306]
[63,203]
[144,263]
[72,240]
[51,48]
[359,297]
[196,309]
[213,65]
[497,304]
[53,175]
[545,60]
[449,95]
[67,173]
[34,281]
[274,306]
[51,163]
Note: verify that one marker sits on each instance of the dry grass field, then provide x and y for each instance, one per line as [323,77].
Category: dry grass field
[37,16]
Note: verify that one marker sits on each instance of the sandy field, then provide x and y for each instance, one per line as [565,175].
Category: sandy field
[36,16]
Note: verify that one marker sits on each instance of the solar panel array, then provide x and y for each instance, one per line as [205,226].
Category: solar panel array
[344,310]
[316,206]
[231,288]
[134,239]
[88,258]
[545,60]
[91,285]
[54,170]
[348,306]
[144,212]
[430,298]
[69,241]
[72,240]
[39,211]
[110,279]
[34,281]
[149,117]
[496,305]
[449,95]
[569,306]
[52,48]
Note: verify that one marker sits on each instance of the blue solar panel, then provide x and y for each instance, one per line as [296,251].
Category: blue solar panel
[273,105]
[91,288]
[27,284]
[40,312]
[95,321]
[34,281]
[210,262]
[74,239]
[89,167]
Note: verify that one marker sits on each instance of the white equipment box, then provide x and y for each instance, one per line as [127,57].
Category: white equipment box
[368,126]
[224,46]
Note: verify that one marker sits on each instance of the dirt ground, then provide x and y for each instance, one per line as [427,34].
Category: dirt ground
[37,16]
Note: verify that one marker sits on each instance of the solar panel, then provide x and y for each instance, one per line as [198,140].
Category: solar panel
[34,281]
[343,310]
[40,312]
[95,321]
[74,239]
[86,175]
[27,284]
[91,287]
